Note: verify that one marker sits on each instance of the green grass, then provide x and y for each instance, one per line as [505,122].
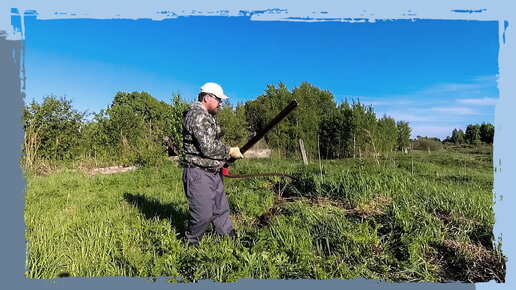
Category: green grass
[415,217]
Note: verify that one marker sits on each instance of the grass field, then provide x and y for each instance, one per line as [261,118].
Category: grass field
[414,217]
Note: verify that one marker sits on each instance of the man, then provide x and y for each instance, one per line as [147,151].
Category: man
[205,155]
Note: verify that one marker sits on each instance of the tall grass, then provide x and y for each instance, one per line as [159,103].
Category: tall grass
[378,220]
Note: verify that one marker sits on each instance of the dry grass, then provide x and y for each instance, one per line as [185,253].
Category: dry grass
[111,169]
[472,262]
[374,207]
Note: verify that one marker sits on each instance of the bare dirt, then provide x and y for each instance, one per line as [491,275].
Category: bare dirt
[110,169]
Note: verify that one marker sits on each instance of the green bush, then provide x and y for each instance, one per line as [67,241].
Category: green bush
[54,128]
[427,144]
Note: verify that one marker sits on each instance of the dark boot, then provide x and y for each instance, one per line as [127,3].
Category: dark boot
[193,244]
[232,234]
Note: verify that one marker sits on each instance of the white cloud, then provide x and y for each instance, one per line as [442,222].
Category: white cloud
[449,88]
[455,110]
[486,79]
[407,117]
[378,103]
[473,92]
[479,102]
[432,131]
[434,111]
[478,87]
[390,102]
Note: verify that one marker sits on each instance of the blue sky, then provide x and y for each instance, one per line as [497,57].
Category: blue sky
[436,74]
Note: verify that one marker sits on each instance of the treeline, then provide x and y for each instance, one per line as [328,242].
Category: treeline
[331,129]
[131,129]
[128,131]
[475,134]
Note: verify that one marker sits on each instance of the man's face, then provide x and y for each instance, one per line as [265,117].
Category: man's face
[212,104]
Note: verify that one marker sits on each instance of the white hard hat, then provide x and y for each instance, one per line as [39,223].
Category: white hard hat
[213,88]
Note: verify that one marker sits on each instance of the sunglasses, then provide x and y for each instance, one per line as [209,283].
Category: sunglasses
[216,98]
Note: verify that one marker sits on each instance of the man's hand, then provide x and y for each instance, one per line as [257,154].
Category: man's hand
[235,153]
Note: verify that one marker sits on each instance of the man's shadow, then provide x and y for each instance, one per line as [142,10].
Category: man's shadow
[152,208]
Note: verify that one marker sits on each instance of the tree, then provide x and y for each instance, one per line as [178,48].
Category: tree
[303,123]
[363,128]
[174,124]
[233,124]
[487,133]
[315,105]
[387,134]
[458,136]
[57,127]
[404,131]
[330,132]
[347,130]
[473,134]
[263,109]
[132,128]
[96,139]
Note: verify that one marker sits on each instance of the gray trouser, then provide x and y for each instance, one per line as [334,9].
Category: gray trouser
[207,203]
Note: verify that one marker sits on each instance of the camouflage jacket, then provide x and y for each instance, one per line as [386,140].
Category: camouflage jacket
[201,139]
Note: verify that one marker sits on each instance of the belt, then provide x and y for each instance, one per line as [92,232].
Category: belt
[210,170]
